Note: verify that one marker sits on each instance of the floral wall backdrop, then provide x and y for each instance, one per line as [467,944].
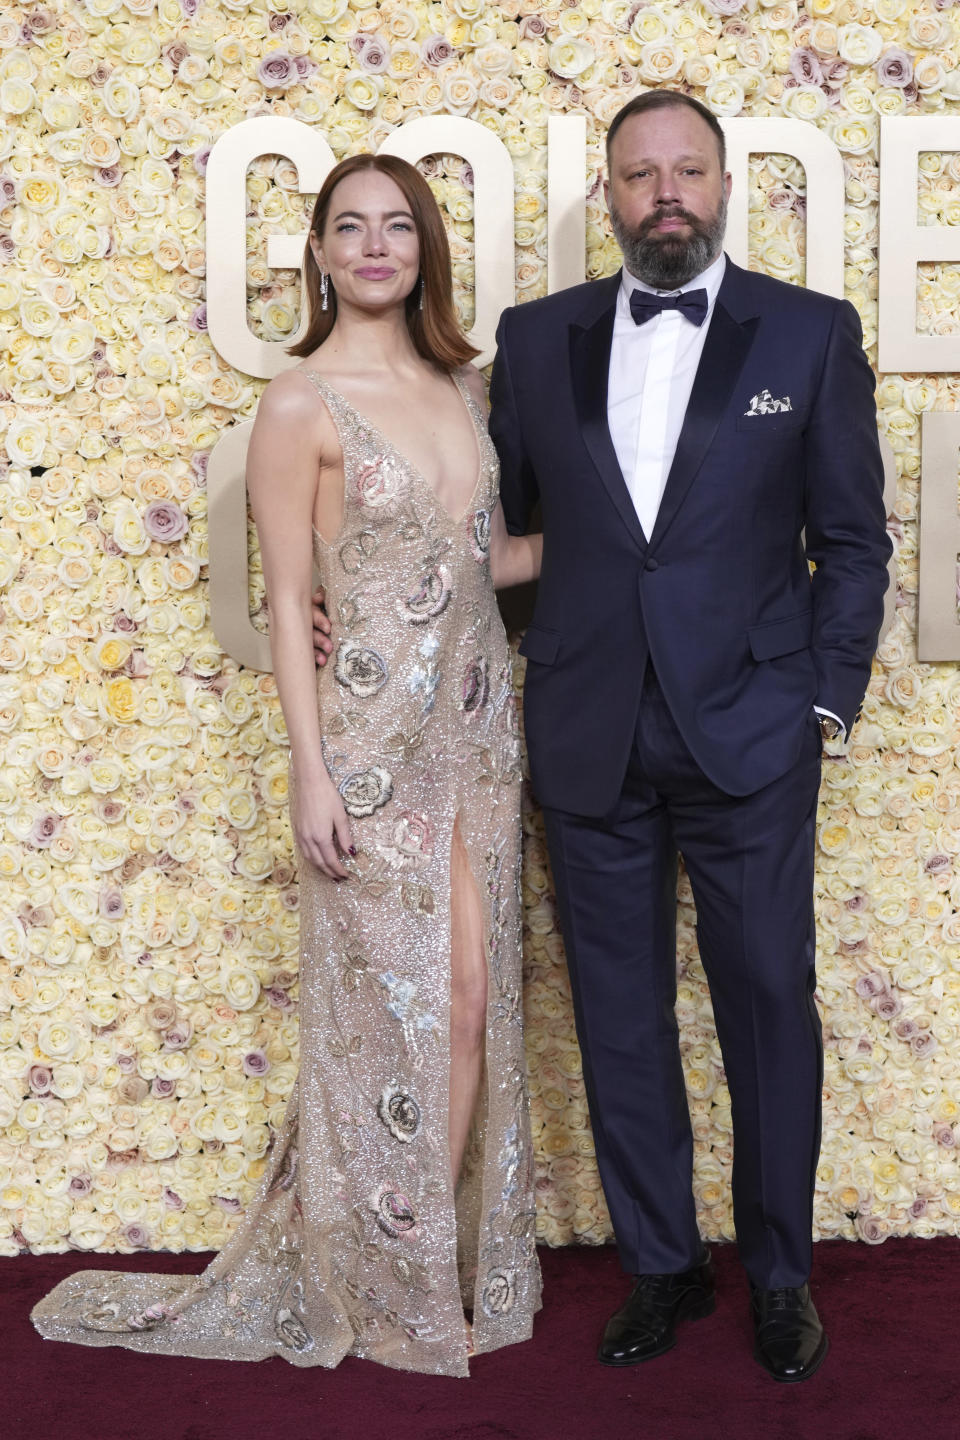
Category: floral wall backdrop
[148,903]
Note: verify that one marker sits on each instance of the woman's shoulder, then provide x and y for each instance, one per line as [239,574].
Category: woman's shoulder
[290,396]
[473,380]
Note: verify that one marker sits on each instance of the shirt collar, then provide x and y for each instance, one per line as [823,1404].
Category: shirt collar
[709,280]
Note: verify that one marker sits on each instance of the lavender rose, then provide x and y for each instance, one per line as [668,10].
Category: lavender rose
[175,53]
[278,71]
[888,1007]
[164,520]
[40,1079]
[161,1014]
[276,997]
[111,904]
[805,67]
[895,67]
[177,1036]
[436,50]
[40,22]
[938,865]
[255,1063]
[45,830]
[373,55]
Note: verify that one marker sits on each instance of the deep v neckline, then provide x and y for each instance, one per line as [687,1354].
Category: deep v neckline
[405,459]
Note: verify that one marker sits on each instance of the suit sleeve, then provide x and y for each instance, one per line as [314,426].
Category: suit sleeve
[846,534]
[519,491]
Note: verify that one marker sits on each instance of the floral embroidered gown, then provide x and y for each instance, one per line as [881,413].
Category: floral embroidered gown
[355,1242]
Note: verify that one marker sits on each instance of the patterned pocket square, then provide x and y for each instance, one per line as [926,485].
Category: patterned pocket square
[765,404]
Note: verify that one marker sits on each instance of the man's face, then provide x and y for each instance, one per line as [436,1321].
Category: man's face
[667,195]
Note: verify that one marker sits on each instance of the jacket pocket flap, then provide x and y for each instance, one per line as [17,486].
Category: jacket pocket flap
[540,645]
[780,637]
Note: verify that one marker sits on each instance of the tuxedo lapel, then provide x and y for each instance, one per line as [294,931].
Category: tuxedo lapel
[590,340]
[729,338]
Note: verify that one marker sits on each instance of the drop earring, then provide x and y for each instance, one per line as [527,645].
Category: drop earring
[324,289]
[422,288]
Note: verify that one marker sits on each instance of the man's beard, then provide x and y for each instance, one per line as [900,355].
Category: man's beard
[665,262]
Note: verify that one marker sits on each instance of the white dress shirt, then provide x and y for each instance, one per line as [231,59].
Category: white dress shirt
[652,369]
[648,388]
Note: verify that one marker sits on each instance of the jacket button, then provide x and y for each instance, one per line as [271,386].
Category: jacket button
[651,565]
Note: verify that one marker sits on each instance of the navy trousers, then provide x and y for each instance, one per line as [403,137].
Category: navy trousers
[750,863]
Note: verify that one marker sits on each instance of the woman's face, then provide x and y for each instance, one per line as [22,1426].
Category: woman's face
[369,245]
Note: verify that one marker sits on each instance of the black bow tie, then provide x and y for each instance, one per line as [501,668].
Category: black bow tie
[692,303]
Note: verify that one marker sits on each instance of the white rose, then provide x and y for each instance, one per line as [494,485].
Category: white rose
[241,988]
[121,98]
[804,102]
[26,441]
[58,1039]
[570,58]
[859,45]
[17,96]
[363,91]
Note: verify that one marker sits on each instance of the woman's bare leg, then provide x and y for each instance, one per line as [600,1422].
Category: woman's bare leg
[468,999]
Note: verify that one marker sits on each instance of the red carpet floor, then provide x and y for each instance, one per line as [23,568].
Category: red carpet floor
[893,1372]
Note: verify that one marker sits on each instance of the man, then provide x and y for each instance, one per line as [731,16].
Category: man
[694,435]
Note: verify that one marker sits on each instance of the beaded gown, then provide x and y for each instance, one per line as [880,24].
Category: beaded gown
[355,1242]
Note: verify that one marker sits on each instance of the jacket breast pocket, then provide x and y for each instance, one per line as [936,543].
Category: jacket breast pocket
[539,645]
[780,637]
[765,425]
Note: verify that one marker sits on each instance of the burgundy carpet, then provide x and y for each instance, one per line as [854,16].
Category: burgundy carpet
[893,1372]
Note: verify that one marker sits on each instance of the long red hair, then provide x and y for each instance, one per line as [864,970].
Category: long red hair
[434,330]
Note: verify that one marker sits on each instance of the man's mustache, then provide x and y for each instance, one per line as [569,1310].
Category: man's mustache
[674,213]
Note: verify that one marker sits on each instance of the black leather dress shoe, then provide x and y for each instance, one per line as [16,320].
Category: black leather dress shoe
[646,1325]
[790,1344]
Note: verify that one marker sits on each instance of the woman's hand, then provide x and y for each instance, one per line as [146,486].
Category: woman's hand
[322,644]
[322,828]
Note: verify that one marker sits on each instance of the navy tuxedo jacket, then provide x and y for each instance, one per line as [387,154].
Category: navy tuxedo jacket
[743,639]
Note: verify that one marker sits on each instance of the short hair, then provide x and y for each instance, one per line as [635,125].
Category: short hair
[666,100]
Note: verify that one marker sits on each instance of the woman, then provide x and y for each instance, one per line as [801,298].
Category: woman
[399,1193]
